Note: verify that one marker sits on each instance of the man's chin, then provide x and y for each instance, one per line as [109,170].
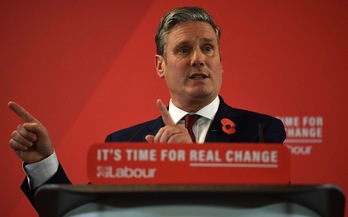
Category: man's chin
[202,95]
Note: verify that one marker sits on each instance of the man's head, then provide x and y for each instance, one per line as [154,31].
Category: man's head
[177,16]
[188,57]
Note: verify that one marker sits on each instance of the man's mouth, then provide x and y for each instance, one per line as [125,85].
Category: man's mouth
[198,77]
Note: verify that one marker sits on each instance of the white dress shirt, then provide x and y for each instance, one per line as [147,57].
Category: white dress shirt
[201,126]
[41,171]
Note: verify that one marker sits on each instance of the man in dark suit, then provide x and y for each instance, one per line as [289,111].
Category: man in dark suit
[250,127]
[188,59]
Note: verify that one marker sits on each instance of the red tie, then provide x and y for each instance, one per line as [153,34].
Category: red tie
[189,121]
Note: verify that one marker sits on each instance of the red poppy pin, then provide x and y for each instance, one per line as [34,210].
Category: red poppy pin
[228,126]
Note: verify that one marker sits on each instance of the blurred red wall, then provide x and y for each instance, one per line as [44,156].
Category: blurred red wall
[80,66]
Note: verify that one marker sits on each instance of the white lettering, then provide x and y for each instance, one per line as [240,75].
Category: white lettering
[172,155]
[102,154]
[304,132]
[141,154]
[290,121]
[117,155]
[205,156]
[300,150]
[253,156]
[125,172]
[312,121]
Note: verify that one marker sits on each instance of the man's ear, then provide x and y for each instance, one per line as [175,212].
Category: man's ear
[159,62]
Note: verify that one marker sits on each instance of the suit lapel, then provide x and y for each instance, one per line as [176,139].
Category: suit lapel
[215,132]
[154,127]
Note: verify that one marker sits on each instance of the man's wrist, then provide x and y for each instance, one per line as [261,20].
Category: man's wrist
[40,172]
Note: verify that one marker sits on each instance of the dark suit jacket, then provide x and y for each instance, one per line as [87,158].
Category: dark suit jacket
[247,125]
[247,128]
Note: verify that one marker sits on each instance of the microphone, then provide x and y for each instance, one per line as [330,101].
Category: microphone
[261,134]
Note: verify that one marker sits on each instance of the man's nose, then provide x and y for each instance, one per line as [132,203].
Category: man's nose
[197,58]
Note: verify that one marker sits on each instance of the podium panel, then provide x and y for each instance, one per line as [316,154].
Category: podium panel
[190,200]
[189,180]
[209,163]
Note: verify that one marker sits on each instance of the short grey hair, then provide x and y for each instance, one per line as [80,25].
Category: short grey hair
[177,16]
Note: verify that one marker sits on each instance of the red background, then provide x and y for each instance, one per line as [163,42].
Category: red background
[81,66]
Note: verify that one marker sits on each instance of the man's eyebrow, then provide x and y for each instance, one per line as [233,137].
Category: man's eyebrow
[211,40]
[181,43]
[187,42]
[207,39]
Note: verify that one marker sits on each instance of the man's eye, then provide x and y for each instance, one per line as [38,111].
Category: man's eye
[207,48]
[183,50]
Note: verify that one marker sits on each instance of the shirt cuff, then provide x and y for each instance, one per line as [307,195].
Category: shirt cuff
[40,172]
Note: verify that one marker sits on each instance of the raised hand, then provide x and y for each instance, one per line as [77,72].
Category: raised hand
[170,133]
[30,141]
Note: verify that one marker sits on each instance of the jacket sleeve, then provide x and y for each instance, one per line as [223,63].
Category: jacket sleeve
[58,178]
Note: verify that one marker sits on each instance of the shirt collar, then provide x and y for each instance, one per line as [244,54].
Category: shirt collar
[208,111]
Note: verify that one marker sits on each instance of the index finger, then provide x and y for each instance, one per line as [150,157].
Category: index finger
[21,112]
[167,119]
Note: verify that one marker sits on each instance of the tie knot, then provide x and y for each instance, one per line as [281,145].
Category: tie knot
[190,120]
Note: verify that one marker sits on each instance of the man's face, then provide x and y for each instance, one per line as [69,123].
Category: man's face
[192,67]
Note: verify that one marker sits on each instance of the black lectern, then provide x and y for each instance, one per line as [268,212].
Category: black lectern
[190,200]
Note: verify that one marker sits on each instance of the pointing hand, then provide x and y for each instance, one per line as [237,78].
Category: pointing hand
[170,133]
[30,140]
